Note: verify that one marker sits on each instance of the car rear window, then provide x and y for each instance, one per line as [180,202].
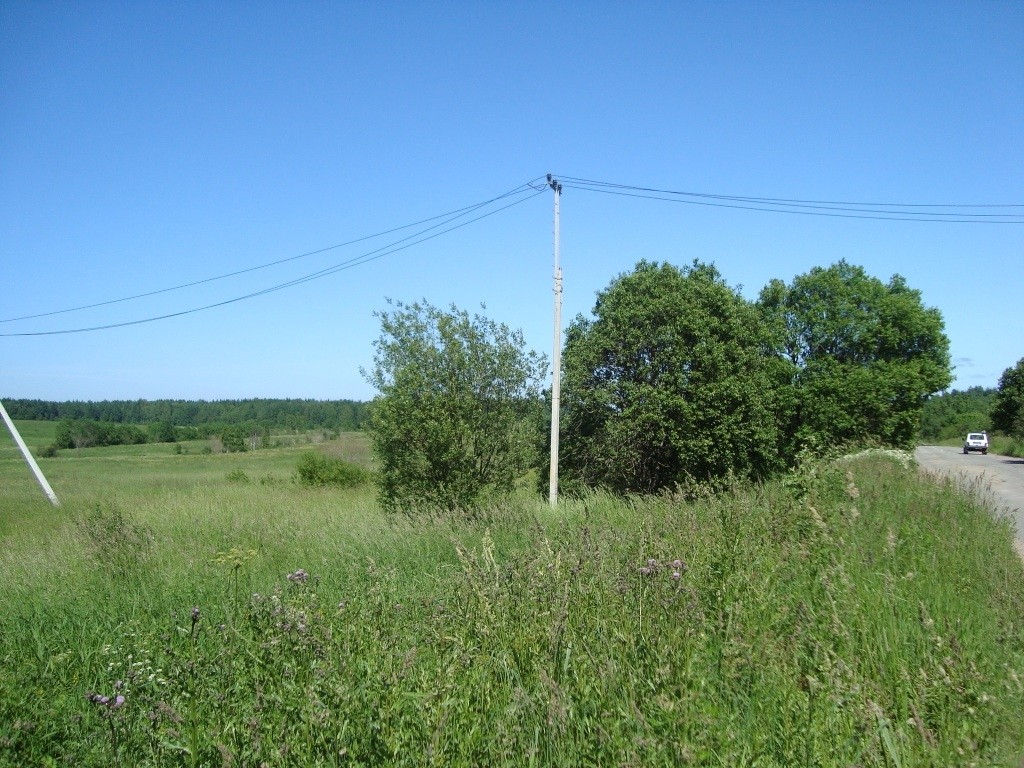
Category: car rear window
[975,437]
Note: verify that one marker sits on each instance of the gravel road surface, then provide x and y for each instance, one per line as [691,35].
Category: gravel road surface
[1003,475]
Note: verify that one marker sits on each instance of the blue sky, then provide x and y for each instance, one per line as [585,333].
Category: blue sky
[146,145]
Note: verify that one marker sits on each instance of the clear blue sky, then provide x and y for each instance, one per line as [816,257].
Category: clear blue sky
[145,145]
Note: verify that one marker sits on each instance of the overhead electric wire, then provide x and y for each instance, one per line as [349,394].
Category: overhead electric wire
[877,211]
[579,180]
[827,208]
[450,216]
[367,257]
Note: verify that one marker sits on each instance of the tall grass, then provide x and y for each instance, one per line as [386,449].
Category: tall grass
[849,614]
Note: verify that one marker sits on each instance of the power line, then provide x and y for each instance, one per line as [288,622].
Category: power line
[364,258]
[449,216]
[578,180]
[838,209]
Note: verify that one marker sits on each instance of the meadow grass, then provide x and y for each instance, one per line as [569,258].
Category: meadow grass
[851,613]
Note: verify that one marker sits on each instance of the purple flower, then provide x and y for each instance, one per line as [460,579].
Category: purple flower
[646,571]
[299,577]
[676,575]
[195,613]
[106,701]
[652,563]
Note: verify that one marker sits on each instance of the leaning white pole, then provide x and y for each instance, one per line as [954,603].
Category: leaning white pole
[556,362]
[28,457]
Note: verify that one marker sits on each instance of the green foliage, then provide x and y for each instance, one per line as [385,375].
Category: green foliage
[238,438]
[865,355]
[954,414]
[238,476]
[292,414]
[858,615]
[162,432]
[316,469]
[234,439]
[1008,409]
[47,451]
[84,433]
[666,384]
[456,415]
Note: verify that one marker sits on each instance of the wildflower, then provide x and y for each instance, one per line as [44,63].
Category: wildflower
[195,613]
[105,701]
[652,563]
[646,570]
[676,575]
[299,577]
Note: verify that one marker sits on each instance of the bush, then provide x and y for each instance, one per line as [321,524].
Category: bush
[315,469]
[47,451]
[459,398]
[162,432]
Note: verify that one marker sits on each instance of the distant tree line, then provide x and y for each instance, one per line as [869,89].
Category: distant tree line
[978,409]
[955,413]
[86,433]
[292,414]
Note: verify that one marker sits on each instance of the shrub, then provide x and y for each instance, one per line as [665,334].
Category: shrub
[47,451]
[238,476]
[459,397]
[116,541]
[315,469]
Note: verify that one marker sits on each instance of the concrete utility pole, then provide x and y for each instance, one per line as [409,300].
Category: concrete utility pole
[28,457]
[556,361]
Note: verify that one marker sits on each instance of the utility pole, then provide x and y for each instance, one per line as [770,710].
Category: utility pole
[28,457]
[556,356]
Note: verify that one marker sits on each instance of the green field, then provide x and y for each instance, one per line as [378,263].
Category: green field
[852,613]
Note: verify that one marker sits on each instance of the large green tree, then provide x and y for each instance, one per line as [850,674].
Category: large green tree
[455,420]
[1008,410]
[667,383]
[865,355]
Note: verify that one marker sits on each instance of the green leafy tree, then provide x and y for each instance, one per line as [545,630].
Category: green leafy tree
[455,418]
[865,355]
[162,432]
[234,439]
[1008,410]
[667,383]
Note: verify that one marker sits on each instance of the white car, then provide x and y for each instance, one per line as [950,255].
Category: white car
[976,441]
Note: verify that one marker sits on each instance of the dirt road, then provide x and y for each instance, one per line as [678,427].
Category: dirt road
[1003,475]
